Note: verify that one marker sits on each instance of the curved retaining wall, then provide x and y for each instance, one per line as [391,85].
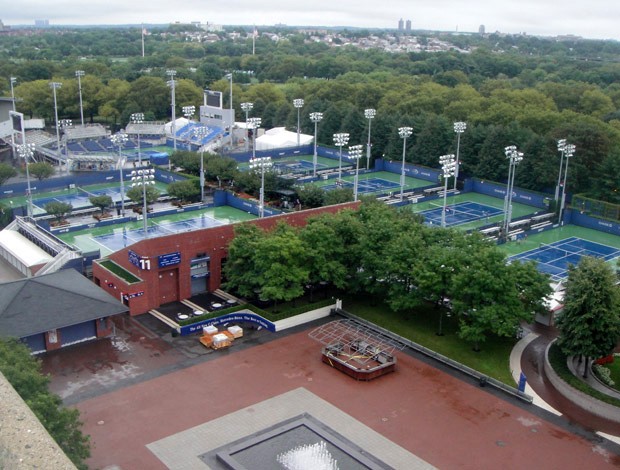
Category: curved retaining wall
[580,399]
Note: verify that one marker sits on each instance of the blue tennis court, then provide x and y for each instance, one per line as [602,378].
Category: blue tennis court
[122,238]
[555,258]
[296,166]
[370,185]
[461,213]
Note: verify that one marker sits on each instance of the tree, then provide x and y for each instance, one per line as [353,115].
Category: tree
[185,190]
[102,202]
[311,196]
[23,371]
[6,172]
[41,170]
[136,194]
[590,321]
[240,271]
[58,210]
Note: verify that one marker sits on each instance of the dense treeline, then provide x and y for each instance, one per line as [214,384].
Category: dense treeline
[527,92]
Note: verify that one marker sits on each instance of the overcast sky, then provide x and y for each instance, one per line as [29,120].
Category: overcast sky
[590,18]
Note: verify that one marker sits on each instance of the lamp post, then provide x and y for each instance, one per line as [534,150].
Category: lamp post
[189,111]
[459,128]
[341,139]
[369,114]
[143,178]
[232,110]
[138,118]
[120,139]
[561,149]
[79,74]
[403,132]
[200,133]
[448,167]
[54,86]
[315,118]
[514,157]
[298,103]
[355,153]
[172,83]
[247,107]
[262,163]
[569,151]
[64,125]
[26,151]
[13,81]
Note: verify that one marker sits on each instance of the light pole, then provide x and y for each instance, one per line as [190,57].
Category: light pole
[247,107]
[403,132]
[26,151]
[54,86]
[64,125]
[232,111]
[561,149]
[172,84]
[355,153]
[120,139]
[188,112]
[298,103]
[13,81]
[459,128]
[341,139]
[448,167]
[262,163]
[369,114]
[138,118]
[200,133]
[79,74]
[315,118]
[515,157]
[569,151]
[143,178]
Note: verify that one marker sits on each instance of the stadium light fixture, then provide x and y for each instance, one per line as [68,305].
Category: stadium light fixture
[138,118]
[189,111]
[247,107]
[355,153]
[172,83]
[261,163]
[561,149]
[120,139]
[200,133]
[79,74]
[404,133]
[298,103]
[229,77]
[64,125]
[569,151]
[369,114]
[459,128]
[315,118]
[26,151]
[143,178]
[448,167]
[340,139]
[514,158]
[54,86]
[13,81]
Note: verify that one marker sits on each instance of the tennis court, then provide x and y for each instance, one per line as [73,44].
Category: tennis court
[109,239]
[555,258]
[377,182]
[300,165]
[370,185]
[460,213]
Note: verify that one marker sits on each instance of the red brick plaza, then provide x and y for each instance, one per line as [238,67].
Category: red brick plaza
[443,420]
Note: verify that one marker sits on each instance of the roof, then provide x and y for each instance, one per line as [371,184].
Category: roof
[279,137]
[51,301]
[23,249]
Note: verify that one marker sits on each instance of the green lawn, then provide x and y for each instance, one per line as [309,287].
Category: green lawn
[614,367]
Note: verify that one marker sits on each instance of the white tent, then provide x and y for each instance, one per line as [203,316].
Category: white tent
[279,137]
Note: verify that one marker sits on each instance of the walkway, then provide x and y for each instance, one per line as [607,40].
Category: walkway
[528,356]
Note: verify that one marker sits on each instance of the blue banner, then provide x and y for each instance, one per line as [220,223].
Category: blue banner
[236,317]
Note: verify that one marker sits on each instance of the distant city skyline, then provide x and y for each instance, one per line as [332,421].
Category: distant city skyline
[596,20]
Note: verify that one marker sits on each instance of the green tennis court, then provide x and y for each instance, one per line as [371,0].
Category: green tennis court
[366,180]
[87,242]
[300,164]
[518,210]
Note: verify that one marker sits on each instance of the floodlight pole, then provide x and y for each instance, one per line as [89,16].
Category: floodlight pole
[54,86]
[448,165]
[120,139]
[232,110]
[459,128]
[138,118]
[79,74]
[561,149]
[315,118]
[370,114]
[143,177]
[172,84]
[403,132]
[569,151]
[200,132]
[13,81]
[247,107]
[355,153]
[341,139]
[26,151]
[515,157]
[262,163]
[298,103]
[65,124]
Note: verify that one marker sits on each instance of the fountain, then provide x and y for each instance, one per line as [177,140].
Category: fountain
[308,457]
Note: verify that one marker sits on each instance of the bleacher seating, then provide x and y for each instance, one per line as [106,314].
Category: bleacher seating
[93,146]
[87,131]
[75,147]
[40,138]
